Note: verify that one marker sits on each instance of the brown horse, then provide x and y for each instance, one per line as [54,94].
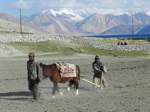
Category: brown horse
[53,73]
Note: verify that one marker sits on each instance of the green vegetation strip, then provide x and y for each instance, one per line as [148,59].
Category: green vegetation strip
[52,46]
[115,42]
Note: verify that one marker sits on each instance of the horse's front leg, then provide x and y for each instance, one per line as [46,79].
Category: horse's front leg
[56,88]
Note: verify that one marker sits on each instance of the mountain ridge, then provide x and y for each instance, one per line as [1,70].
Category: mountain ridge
[67,21]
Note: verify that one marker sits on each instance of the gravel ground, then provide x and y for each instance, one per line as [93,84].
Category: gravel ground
[128,80]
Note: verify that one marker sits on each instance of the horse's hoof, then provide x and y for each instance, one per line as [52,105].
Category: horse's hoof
[61,93]
[68,89]
[53,97]
[77,92]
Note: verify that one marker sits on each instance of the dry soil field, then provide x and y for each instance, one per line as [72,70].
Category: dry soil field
[128,80]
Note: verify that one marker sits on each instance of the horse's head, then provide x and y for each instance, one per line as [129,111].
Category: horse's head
[41,65]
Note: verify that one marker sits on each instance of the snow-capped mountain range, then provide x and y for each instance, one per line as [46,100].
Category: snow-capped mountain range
[84,22]
[67,14]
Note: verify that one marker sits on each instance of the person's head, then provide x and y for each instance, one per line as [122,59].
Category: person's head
[97,59]
[31,56]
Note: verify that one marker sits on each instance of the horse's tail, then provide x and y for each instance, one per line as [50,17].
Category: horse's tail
[78,72]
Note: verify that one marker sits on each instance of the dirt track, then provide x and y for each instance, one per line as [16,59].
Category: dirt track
[128,91]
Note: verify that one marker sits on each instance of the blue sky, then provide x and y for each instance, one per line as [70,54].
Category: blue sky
[101,6]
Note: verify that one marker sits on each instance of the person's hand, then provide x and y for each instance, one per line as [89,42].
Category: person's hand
[104,73]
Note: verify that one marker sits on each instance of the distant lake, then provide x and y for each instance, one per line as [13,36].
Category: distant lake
[122,36]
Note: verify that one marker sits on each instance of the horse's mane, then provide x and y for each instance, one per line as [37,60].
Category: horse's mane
[48,66]
[45,66]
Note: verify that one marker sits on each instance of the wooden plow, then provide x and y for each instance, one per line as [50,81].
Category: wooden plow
[81,77]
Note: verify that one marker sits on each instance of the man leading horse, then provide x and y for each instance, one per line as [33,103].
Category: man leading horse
[34,76]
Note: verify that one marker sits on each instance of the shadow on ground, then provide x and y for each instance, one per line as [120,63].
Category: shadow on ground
[21,95]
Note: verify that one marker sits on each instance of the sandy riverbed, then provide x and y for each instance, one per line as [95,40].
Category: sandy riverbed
[128,91]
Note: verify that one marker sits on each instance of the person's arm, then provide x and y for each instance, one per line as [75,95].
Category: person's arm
[103,68]
[95,68]
[28,71]
[34,71]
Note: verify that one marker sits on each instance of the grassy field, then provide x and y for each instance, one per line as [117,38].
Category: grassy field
[66,49]
[43,47]
[115,42]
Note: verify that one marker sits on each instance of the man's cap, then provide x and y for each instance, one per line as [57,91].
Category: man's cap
[31,54]
[97,57]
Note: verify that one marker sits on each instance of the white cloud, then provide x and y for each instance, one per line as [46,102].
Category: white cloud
[96,6]
[103,4]
[118,6]
[117,11]
[60,3]
[22,4]
[142,4]
[106,3]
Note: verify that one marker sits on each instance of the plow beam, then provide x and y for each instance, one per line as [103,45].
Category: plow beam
[90,82]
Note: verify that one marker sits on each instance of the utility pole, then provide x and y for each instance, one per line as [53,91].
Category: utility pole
[132,30]
[20,22]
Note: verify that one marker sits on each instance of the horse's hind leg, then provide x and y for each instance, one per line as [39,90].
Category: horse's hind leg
[70,85]
[76,85]
[77,91]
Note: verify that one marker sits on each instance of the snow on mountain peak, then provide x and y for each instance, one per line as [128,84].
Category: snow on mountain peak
[68,14]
